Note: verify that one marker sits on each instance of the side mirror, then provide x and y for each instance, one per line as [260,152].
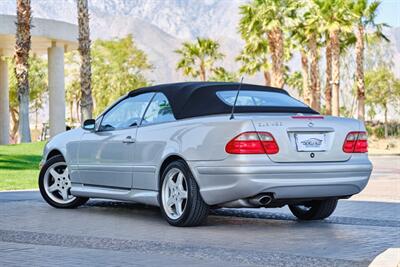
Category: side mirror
[89,124]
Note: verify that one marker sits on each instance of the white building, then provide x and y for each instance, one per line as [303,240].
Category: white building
[49,37]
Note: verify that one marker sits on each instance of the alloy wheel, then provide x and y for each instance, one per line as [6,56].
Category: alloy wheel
[57,183]
[174,193]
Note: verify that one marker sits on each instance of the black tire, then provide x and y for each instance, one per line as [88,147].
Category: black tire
[196,210]
[74,204]
[314,210]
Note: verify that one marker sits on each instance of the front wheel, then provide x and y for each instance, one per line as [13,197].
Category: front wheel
[180,199]
[55,184]
[314,210]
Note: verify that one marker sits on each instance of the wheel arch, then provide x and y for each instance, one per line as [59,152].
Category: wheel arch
[169,159]
[53,153]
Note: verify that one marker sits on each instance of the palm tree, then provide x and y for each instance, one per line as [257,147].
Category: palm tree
[337,18]
[311,29]
[299,36]
[314,71]
[254,58]
[365,15]
[305,68]
[328,77]
[307,38]
[22,48]
[268,19]
[198,58]
[86,100]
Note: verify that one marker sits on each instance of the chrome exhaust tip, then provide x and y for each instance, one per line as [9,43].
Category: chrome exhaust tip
[261,200]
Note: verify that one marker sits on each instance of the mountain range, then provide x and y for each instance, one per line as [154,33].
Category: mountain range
[160,26]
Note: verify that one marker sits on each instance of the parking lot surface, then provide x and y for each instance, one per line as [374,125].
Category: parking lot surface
[115,233]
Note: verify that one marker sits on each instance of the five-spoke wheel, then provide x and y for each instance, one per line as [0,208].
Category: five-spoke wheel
[174,193]
[180,199]
[55,184]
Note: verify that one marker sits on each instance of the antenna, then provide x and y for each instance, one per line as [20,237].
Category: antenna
[237,95]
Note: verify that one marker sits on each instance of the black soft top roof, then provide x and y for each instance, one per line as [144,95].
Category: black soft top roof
[193,99]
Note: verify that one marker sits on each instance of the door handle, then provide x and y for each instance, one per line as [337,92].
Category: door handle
[128,140]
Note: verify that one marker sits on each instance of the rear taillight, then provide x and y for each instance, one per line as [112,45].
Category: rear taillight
[356,142]
[252,143]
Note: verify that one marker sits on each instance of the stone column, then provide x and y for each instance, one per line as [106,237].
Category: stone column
[4,103]
[56,89]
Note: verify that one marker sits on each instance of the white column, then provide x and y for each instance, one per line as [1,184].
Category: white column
[56,89]
[4,104]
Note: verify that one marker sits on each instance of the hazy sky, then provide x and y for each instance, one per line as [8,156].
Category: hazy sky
[389,12]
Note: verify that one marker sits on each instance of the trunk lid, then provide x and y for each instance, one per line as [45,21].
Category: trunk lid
[312,138]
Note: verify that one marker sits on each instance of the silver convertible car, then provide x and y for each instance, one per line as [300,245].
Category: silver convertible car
[195,146]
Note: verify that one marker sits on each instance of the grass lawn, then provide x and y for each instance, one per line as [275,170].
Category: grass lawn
[19,165]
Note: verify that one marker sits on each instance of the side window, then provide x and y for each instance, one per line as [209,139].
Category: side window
[126,113]
[159,111]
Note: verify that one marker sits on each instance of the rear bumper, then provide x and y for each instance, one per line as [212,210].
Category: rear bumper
[219,184]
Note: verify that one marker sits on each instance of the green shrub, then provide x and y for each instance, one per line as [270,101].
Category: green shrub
[370,130]
[379,132]
[377,129]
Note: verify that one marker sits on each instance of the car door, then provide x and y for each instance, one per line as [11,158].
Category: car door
[151,142]
[105,156]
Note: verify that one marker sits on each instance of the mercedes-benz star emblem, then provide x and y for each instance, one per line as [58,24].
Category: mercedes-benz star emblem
[310,124]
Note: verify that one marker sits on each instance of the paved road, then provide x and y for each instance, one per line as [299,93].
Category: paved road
[115,234]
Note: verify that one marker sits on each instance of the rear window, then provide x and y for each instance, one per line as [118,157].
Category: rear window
[259,99]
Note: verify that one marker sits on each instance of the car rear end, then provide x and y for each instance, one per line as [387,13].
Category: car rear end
[285,158]
[288,157]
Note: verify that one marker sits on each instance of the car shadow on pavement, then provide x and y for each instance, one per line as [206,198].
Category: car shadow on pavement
[349,212]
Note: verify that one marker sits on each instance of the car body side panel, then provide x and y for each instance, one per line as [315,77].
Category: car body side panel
[105,159]
[194,139]
[67,143]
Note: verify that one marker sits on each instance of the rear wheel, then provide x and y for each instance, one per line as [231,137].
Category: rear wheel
[180,199]
[55,184]
[314,210]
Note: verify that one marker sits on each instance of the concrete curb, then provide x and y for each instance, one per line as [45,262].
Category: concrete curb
[383,155]
[19,190]
[388,258]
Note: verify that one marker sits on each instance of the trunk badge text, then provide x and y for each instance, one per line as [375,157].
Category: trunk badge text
[270,123]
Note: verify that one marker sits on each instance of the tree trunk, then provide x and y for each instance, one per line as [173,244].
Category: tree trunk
[71,113]
[277,54]
[202,72]
[328,83]
[335,45]
[360,72]
[77,111]
[304,74]
[267,78]
[15,122]
[315,87]
[22,48]
[36,118]
[386,121]
[85,70]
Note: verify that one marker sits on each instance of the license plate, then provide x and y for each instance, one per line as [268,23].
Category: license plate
[310,142]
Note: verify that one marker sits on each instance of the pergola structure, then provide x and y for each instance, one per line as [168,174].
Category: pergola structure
[49,37]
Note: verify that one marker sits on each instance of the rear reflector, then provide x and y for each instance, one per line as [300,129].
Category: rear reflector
[252,143]
[356,142]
